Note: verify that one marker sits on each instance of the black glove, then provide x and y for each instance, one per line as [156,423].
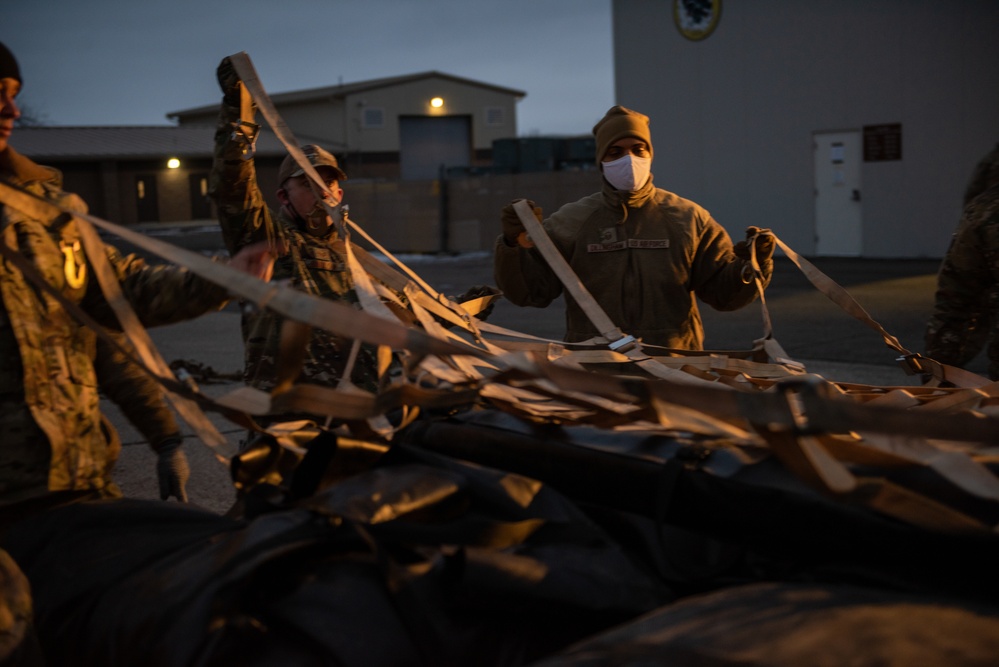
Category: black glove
[476,291]
[764,245]
[172,469]
[512,226]
[228,81]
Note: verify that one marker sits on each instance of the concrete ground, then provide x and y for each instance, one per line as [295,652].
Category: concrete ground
[812,329]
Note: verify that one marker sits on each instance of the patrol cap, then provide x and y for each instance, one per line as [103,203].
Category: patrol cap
[618,123]
[8,64]
[316,156]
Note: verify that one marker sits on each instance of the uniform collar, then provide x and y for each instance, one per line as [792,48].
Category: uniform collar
[20,169]
[624,200]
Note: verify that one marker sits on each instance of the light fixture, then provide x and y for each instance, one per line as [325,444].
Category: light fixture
[437,102]
[173,163]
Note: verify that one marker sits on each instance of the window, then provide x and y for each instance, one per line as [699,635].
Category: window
[495,116]
[372,117]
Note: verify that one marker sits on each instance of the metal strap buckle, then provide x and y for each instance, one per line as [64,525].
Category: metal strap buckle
[245,133]
[623,344]
[912,364]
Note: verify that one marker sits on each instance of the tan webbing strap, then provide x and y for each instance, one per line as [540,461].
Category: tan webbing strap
[246,112]
[819,410]
[839,296]
[573,285]
[255,90]
[768,329]
[337,318]
[395,260]
[251,84]
[169,382]
[152,362]
[617,340]
[430,300]
[912,363]
[139,338]
[807,457]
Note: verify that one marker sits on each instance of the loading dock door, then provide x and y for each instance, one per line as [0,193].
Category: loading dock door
[838,202]
[426,143]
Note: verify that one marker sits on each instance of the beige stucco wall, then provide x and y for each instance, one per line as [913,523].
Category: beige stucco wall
[336,123]
[413,99]
[405,216]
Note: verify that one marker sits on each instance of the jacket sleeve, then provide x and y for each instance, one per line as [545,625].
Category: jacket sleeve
[523,276]
[140,397]
[718,277]
[160,294]
[242,211]
[955,330]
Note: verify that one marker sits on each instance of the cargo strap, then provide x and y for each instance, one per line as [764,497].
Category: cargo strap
[618,341]
[912,363]
[149,357]
[532,385]
[338,318]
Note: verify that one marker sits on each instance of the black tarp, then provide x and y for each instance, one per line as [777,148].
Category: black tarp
[477,539]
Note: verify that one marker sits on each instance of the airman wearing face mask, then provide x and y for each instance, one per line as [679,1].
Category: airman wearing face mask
[643,253]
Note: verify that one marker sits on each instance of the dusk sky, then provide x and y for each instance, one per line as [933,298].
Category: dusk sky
[130,62]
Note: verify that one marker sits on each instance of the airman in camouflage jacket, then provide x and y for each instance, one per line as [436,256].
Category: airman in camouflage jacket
[643,256]
[968,282]
[53,435]
[312,264]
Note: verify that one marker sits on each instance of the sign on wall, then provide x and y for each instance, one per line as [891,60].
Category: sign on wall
[882,142]
[696,19]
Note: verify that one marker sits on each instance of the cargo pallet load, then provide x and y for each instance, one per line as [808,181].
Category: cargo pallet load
[508,500]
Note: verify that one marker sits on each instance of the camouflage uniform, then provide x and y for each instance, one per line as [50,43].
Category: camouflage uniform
[141,398]
[315,265]
[53,436]
[983,175]
[968,282]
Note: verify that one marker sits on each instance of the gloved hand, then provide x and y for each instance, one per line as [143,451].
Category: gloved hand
[476,291]
[228,81]
[172,469]
[513,228]
[764,245]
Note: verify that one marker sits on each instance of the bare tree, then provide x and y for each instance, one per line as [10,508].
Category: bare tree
[30,116]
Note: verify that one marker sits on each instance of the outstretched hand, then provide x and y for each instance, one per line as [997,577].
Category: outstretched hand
[513,229]
[764,244]
[172,469]
[257,259]
[228,81]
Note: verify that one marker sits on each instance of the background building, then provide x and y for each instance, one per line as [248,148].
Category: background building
[138,174]
[404,127]
[850,127]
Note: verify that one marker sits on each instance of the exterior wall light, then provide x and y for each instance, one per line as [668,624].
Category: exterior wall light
[437,102]
[173,163]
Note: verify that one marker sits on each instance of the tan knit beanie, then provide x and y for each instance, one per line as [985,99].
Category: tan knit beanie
[619,123]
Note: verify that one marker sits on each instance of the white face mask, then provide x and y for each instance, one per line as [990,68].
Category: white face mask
[627,173]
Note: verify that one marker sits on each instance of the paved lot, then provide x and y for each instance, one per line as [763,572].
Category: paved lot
[811,328]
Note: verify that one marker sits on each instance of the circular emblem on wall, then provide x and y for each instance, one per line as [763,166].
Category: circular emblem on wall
[696,19]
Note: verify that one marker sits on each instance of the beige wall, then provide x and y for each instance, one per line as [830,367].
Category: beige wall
[336,124]
[405,216]
[413,99]
[733,115]
[402,216]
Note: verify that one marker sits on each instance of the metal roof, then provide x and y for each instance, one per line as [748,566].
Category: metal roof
[342,90]
[134,142]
